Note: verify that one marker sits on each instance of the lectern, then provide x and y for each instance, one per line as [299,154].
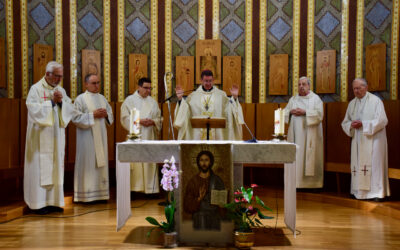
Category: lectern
[209,122]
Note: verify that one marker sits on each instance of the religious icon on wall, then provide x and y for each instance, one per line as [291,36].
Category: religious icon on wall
[207,184]
[42,54]
[91,64]
[278,74]
[185,72]
[137,70]
[326,72]
[3,82]
[375,66]
[208,56]
[232,68]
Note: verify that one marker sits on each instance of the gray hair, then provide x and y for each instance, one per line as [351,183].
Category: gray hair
[51,66]
[87,77]
[305,77]
[362,80]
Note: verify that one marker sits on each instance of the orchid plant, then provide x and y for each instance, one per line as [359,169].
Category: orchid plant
[243,210]
[169,182]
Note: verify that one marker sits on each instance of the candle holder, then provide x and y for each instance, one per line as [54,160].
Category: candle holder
[133,136]
[279,137]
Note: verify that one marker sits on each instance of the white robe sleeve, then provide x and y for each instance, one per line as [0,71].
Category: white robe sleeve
[125,115]
[68,111]
[110,116]
[157,118]
[287,110]
[235,120]
[82,119]
[40,113]
[182,119]
[315,113]
[346,123]
[370,127]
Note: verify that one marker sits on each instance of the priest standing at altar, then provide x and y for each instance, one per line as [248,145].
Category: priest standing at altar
[365,123]
[144,176]
[208,101]
[91,163]
[304,113]
[49,112]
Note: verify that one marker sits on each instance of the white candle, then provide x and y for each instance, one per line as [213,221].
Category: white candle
[136,123]
[279,128]
[131,120]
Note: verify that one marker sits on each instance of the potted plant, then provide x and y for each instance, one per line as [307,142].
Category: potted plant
[169,182]
[245,211]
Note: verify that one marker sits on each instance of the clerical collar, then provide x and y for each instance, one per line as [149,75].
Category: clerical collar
[205,90]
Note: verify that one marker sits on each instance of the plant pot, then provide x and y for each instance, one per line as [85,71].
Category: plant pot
[170,240]
[244,240]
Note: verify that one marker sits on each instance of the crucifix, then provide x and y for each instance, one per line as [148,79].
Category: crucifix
[365,170]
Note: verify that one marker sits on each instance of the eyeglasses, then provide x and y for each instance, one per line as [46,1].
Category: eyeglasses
[58,76]
[147,88]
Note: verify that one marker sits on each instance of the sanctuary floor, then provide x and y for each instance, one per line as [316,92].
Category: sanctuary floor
[320,224]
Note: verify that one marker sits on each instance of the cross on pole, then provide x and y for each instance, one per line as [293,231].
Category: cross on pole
[354,171]
[365,170]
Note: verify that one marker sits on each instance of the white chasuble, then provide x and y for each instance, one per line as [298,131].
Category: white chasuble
[204,104]
[45,146]
[91,181]
[369,160]
[144,176]
[306,132]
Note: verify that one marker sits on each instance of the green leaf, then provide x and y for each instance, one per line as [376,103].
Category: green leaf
[153,221]
[247,194]
[262,216]
[258,221]
[261,203]
[149,232]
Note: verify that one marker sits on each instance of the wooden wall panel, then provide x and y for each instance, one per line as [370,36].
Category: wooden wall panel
[71,143]
[338,143]
[165,126]
[249,113]
[392,109]
[9,134]
[120,132]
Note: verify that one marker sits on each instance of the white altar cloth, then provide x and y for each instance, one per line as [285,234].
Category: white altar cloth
[158,151]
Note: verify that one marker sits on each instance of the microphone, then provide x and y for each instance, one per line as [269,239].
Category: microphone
[253,138]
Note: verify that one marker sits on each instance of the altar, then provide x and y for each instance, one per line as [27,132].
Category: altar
[242,152]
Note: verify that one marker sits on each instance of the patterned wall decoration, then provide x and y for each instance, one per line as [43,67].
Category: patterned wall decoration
[184,30]
[89,31]
[378,29]
[280,38]
[137,32]
[3,92]
[41,27]
[232,27]
[327,36]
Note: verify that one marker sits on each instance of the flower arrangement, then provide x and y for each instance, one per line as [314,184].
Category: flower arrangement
[243,210]
[169,182]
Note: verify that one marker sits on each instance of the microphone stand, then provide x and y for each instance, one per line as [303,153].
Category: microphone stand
[253,138]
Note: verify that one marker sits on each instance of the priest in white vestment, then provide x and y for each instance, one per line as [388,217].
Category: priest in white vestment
[144,176]
[304,113]
[91,180]
[365,123]
[208,101]
[49,112]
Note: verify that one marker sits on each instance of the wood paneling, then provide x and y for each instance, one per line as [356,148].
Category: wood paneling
[71,143]
[9,133]
[265,120]
[120,132]
[392,109]
[111,135]
[338,143]
[249,113]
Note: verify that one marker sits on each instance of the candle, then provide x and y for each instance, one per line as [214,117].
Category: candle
[136,123]
[279,128]
[131,120]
